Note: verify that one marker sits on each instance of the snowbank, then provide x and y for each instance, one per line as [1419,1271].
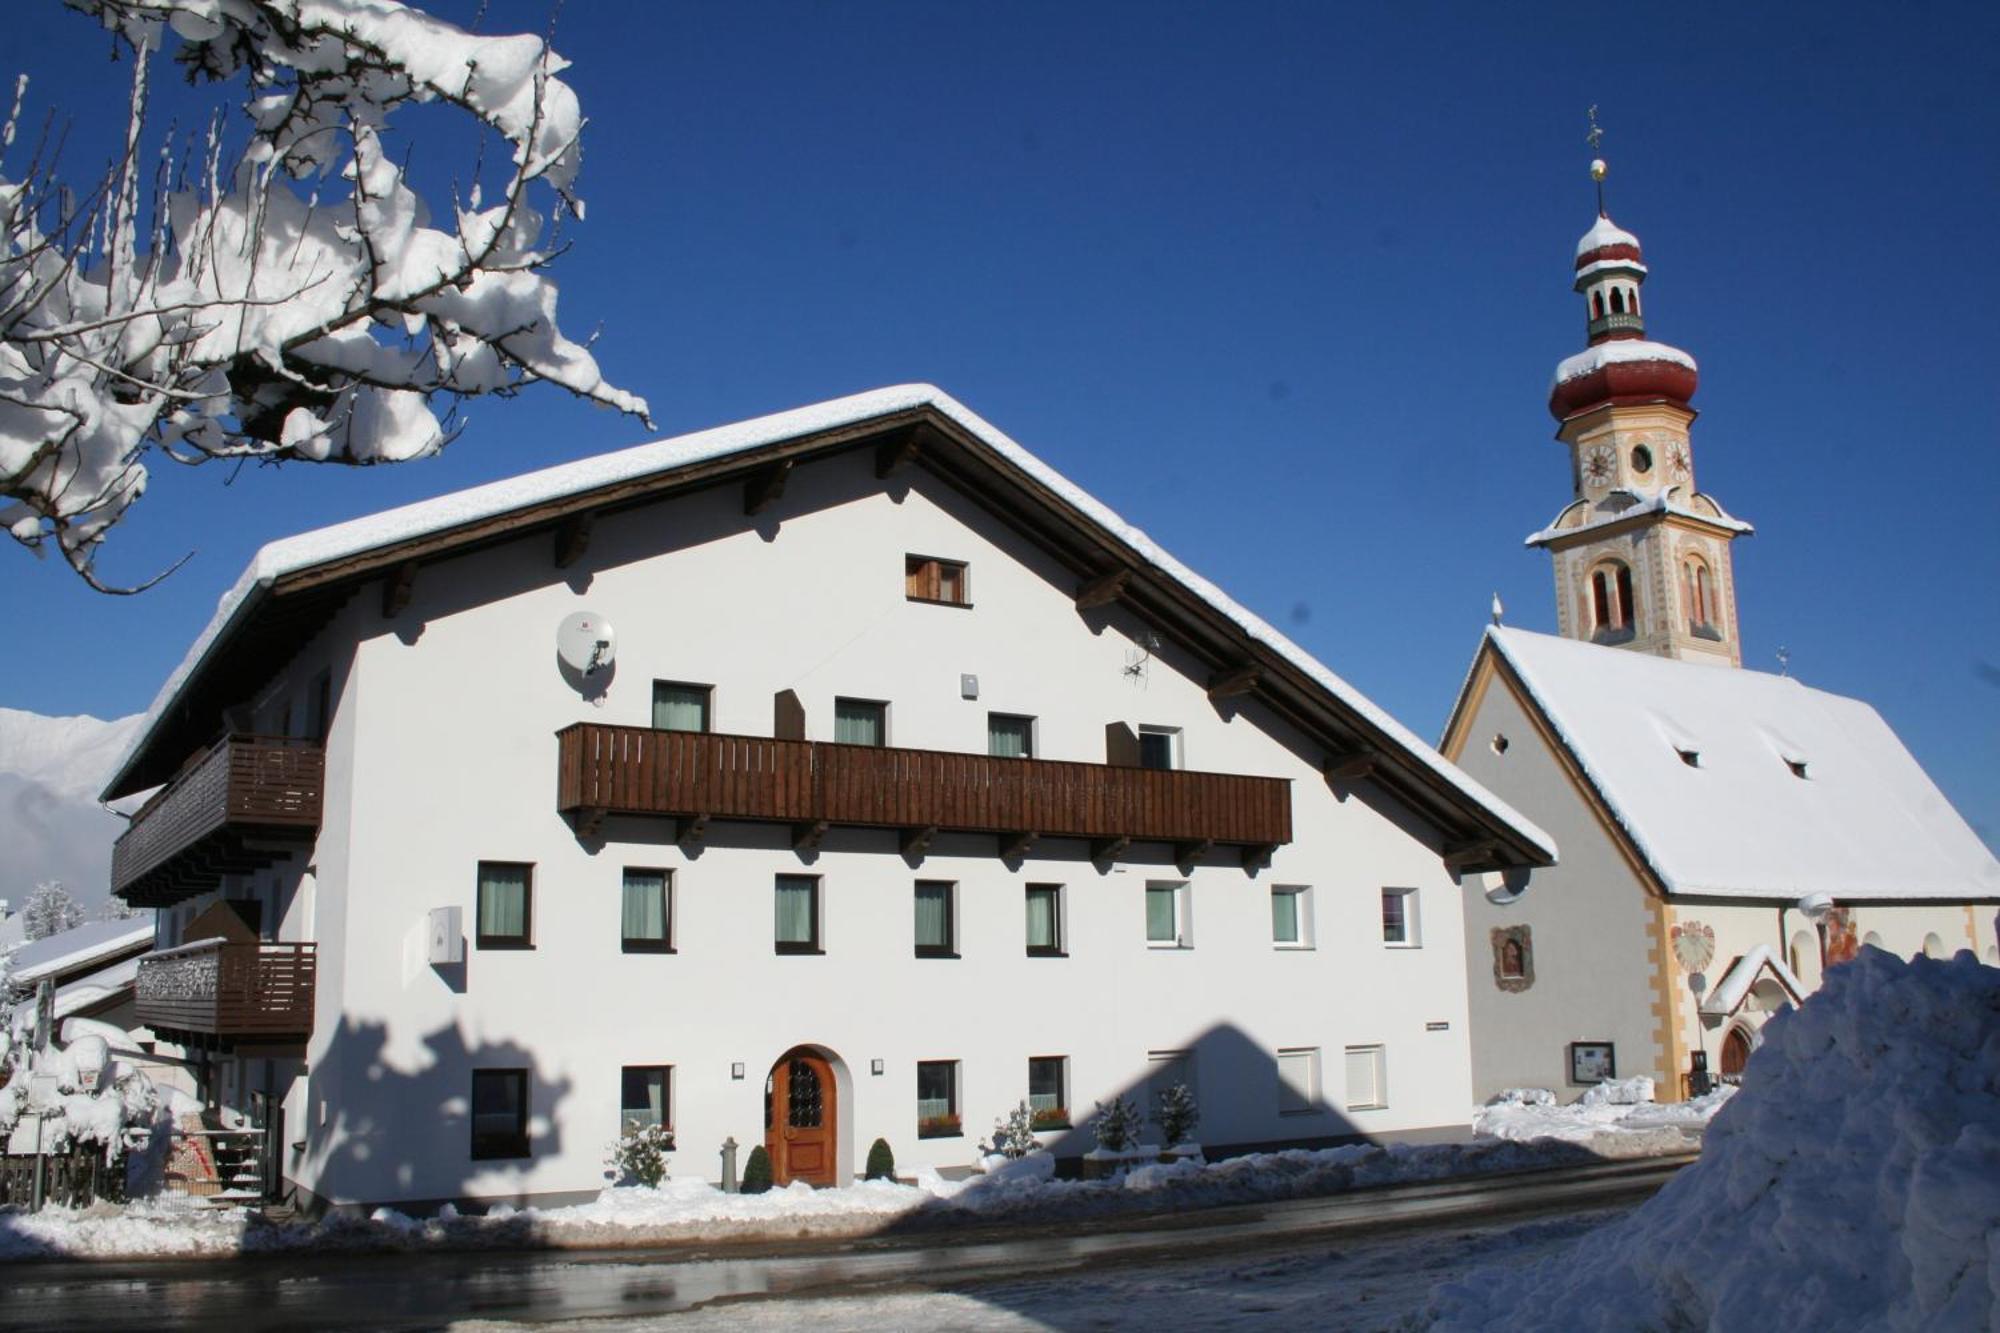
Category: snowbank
[691,1210]
[1602,1124]
[1853,1183]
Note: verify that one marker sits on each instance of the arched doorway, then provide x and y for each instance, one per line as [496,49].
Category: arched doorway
[1735,1054]
[802,1119]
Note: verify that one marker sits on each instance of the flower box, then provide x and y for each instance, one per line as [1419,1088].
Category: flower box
[939,1127]
[1055,1117]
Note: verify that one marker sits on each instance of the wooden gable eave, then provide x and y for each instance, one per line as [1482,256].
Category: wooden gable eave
[1491,665]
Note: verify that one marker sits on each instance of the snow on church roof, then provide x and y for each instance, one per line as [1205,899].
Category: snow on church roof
[1790,789]
[1622,349]
[1602,233]
[290,555]
[1736,982]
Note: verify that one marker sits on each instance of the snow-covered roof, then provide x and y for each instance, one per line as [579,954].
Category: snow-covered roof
[71,949]
[1604,232]
[1597,266]
[96,987]
[1660,503]
[1621,349]
[1724,997]
[292,554]
[1791,789]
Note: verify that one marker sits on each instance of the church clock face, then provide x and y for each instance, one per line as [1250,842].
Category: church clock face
[1677,461]
[1600,464]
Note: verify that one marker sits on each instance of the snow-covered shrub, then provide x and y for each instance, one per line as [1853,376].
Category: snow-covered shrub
[1178,1114]
[1116,1126]
[757,1171]
[881,1161]
[642,1154]
[1014,1133]
[51,909]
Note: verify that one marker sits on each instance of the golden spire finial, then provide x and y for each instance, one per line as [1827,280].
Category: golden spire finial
[1597,167]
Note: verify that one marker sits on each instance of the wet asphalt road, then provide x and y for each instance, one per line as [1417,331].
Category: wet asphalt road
[435,1290]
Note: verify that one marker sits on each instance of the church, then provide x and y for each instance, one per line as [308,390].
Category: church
[1726,834]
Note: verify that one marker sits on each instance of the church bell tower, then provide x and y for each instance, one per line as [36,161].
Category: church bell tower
[1641,556]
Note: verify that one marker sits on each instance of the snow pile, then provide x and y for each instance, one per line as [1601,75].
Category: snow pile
[1599,1120]
[1854,1183]
[81,1093]
[1592,359]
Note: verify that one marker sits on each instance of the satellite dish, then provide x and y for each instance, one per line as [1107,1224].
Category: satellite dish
[586,642]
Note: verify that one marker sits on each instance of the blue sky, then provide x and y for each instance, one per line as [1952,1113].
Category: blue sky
[1282,283]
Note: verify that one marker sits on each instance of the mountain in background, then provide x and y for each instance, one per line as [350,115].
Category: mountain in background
[51,826]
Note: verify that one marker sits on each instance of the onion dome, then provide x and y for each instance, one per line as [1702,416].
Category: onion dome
[1620,365]
[1606,240]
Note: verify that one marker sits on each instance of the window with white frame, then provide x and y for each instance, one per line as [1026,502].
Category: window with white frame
[798,916]
[1167,916]
[1367,1078]
[1399,918]
[1159,747]
[505,908]
[1291,916]
[644,1100]
[1045,921]
[646,911]
[1298,1080]
[937,918]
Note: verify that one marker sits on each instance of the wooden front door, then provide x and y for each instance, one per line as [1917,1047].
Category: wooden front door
[800,1118]
[1735,1054]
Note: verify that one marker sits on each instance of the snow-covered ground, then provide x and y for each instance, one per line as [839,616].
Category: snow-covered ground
[692,1210]
[1854,1183]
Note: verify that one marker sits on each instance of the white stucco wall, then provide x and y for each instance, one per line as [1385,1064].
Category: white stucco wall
[444,754]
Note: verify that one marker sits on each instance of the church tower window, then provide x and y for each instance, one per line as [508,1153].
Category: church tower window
[1611,602]
[1698,594]
[1617,300]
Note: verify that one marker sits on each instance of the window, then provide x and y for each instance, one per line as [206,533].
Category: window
[937,1099]
[1167,916]
[648,912]
[1611,602]
[1298,1080]
[643,1098]
[937,919]
[1165,1069]
[1291,916]
[1045,921]
[860,722]
[1159,747]
[319,707]
[1048,1091]
[798,914]
[1009,736]
[1367,1079]
[680,707]
[929,579]
[1399,917]
[499,1113]
[506,903]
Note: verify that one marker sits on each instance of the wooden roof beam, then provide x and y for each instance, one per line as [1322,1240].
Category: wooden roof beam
[766,487]
[1351,768]
[397,588]
[1103,589]
[1234,681]
[1458,858]
[898,451]
[573,538]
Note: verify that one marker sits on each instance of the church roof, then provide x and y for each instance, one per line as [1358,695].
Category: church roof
[1741,784]
[219,666]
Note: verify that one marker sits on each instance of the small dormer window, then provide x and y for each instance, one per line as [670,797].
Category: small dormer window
[1692,758]
[1798,767]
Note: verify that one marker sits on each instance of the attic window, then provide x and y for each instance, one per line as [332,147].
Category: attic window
[1798,767]
[1692,758]
[929,579]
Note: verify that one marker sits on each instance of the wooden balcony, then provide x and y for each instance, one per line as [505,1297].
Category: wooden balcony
[699,776]
[245,803]
[219,995]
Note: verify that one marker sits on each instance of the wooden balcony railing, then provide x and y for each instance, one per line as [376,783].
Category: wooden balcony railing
[215,993]
[219,816]
[703,775]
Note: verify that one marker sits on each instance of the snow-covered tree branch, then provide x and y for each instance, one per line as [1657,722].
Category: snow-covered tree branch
[294,299]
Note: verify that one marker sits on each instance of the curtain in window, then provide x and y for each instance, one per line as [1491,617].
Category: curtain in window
[645,905]
[1160,914]
[503,900]
[795,909]
[1041,918]
[933,916]
[680,708]
[1007,737]
[645,1098]
[857,723]
[1364,1076]
[1285,918]
[1044,1085]
[1295,1080]
[933,1090]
